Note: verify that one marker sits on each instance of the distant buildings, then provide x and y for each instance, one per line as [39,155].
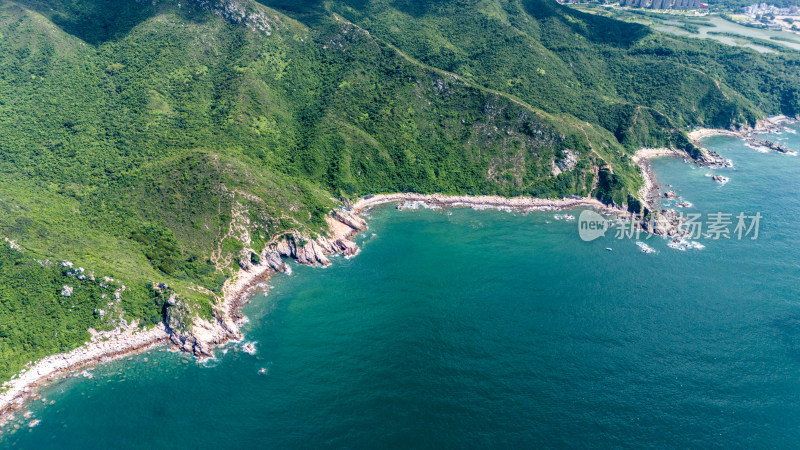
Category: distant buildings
[661,4]
[761,9]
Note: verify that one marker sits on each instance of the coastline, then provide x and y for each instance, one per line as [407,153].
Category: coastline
[700,133]
[482,202]
[237,290]
[642,157]
[104,347]
[768,125]
[120,343]
[116,344]
[343,226]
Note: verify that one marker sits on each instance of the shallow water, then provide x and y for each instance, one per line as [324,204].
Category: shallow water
[720,25]
[463,328]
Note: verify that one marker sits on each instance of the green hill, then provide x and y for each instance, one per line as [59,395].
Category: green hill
[133,134]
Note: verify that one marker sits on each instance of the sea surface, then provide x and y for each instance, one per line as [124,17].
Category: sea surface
[460,328]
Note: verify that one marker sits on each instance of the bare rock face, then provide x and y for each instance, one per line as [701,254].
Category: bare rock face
[712,159]
[346,247]
[207,334]
[285,248]
[244,263]
[272,258]
[565,163]
[664,223]
[311,253]
[240,12]
[341,224]
[204,334]
[568,161]
[354,222]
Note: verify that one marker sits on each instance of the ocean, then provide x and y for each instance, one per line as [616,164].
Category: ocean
[459,328]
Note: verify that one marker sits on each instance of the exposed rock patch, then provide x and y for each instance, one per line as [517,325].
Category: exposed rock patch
[203,335]
[664,223]
[567,162]
[240,12]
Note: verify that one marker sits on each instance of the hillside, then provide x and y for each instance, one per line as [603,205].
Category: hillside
[171,142]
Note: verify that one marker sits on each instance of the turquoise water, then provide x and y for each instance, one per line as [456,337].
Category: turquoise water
[464,328]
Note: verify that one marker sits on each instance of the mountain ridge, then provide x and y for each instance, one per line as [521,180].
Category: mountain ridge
[163,144]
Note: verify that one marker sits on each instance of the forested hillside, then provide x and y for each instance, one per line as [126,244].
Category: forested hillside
[164,141]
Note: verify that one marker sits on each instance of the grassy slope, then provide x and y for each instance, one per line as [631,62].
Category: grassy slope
[133,136]
[561,60]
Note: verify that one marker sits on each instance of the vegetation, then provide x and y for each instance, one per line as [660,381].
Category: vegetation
[785,39]
[48,307]
[754,40]
[737,5]
[158,143]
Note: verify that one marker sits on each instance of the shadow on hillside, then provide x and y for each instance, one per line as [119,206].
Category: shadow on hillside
[598,29]
[313,12]
[308,9]
[418,8]
[93,21]
[308,12]
[294,6]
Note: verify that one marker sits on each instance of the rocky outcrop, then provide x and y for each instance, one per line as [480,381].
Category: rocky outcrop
[203,335]
[711,159]
[341,225]
[355,223]
[774,146]
[769,124]
[747,133]
[720,179]
[240,12]
[663,223]
[567,162]
[305,252]
[273,260]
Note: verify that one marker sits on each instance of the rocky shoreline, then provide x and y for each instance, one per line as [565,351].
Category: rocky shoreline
[650,191]
[204,335]
[103,347]
[521,204]
[662,222]
[343,225]
[768,125]
[667,222]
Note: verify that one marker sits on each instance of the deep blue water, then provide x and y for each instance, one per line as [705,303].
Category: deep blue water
[463,328]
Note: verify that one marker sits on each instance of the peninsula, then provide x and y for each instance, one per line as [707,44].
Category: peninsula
[161,158]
